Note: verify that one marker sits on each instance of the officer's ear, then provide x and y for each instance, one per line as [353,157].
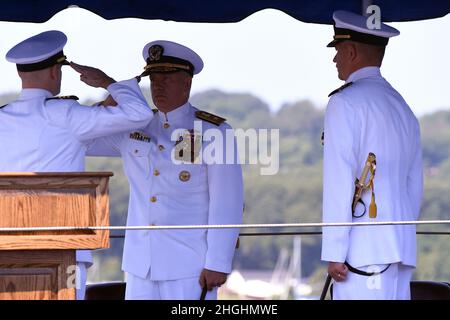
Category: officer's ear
[352,51]
[55,72]
[188,82]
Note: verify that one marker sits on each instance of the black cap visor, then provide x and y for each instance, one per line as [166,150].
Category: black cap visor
[341,34]
[55,59]
[168,64]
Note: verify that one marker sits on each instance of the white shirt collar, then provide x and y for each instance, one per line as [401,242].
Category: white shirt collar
[365,72]
[175,114]
[31,93]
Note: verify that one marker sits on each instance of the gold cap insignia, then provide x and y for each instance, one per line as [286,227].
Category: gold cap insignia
[184,175]
[154,53]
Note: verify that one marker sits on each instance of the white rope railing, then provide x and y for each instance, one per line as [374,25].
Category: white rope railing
[226,226]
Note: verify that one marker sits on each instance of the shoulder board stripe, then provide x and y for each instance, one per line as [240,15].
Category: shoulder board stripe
[209,117]
[63,97]
[3,106]
[340,88]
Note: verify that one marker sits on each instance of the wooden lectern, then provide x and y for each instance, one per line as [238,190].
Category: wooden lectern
[41,264]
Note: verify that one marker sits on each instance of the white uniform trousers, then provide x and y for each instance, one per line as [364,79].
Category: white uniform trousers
[81,277]
[182,289]
[393,284]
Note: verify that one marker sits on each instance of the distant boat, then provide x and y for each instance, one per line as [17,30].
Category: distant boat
[281,283]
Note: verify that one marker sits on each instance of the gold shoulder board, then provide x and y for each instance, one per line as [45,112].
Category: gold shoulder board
[209,117]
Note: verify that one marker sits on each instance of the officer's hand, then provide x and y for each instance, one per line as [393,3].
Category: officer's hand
[212,279]
[338,271]
[109,101]
[92,76]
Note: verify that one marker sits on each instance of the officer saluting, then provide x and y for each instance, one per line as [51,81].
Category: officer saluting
[367,115]
[43,133]
[173,182]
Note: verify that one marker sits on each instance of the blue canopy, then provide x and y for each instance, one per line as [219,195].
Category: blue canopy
[315,11]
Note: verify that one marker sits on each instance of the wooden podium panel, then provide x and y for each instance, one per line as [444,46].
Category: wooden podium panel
[54,200]
[41,264]
[37,275]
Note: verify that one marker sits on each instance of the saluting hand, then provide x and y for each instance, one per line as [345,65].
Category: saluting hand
[212,279]
[338,271]
[92,76]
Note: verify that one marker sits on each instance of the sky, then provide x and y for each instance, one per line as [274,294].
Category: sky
[269,54]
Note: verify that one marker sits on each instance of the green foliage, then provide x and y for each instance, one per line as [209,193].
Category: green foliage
[240,110]
[435,138]
[295,193]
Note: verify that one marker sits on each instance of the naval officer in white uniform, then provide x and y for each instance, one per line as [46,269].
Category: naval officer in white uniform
[43,133]
[368,115]
[174,182]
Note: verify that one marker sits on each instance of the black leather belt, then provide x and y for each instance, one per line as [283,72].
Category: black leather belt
[364,273]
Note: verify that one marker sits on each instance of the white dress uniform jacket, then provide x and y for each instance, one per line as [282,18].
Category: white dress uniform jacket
[40,135]
[160,194]
[371,116]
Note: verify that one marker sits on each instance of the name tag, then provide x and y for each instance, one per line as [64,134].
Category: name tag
[139,136]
